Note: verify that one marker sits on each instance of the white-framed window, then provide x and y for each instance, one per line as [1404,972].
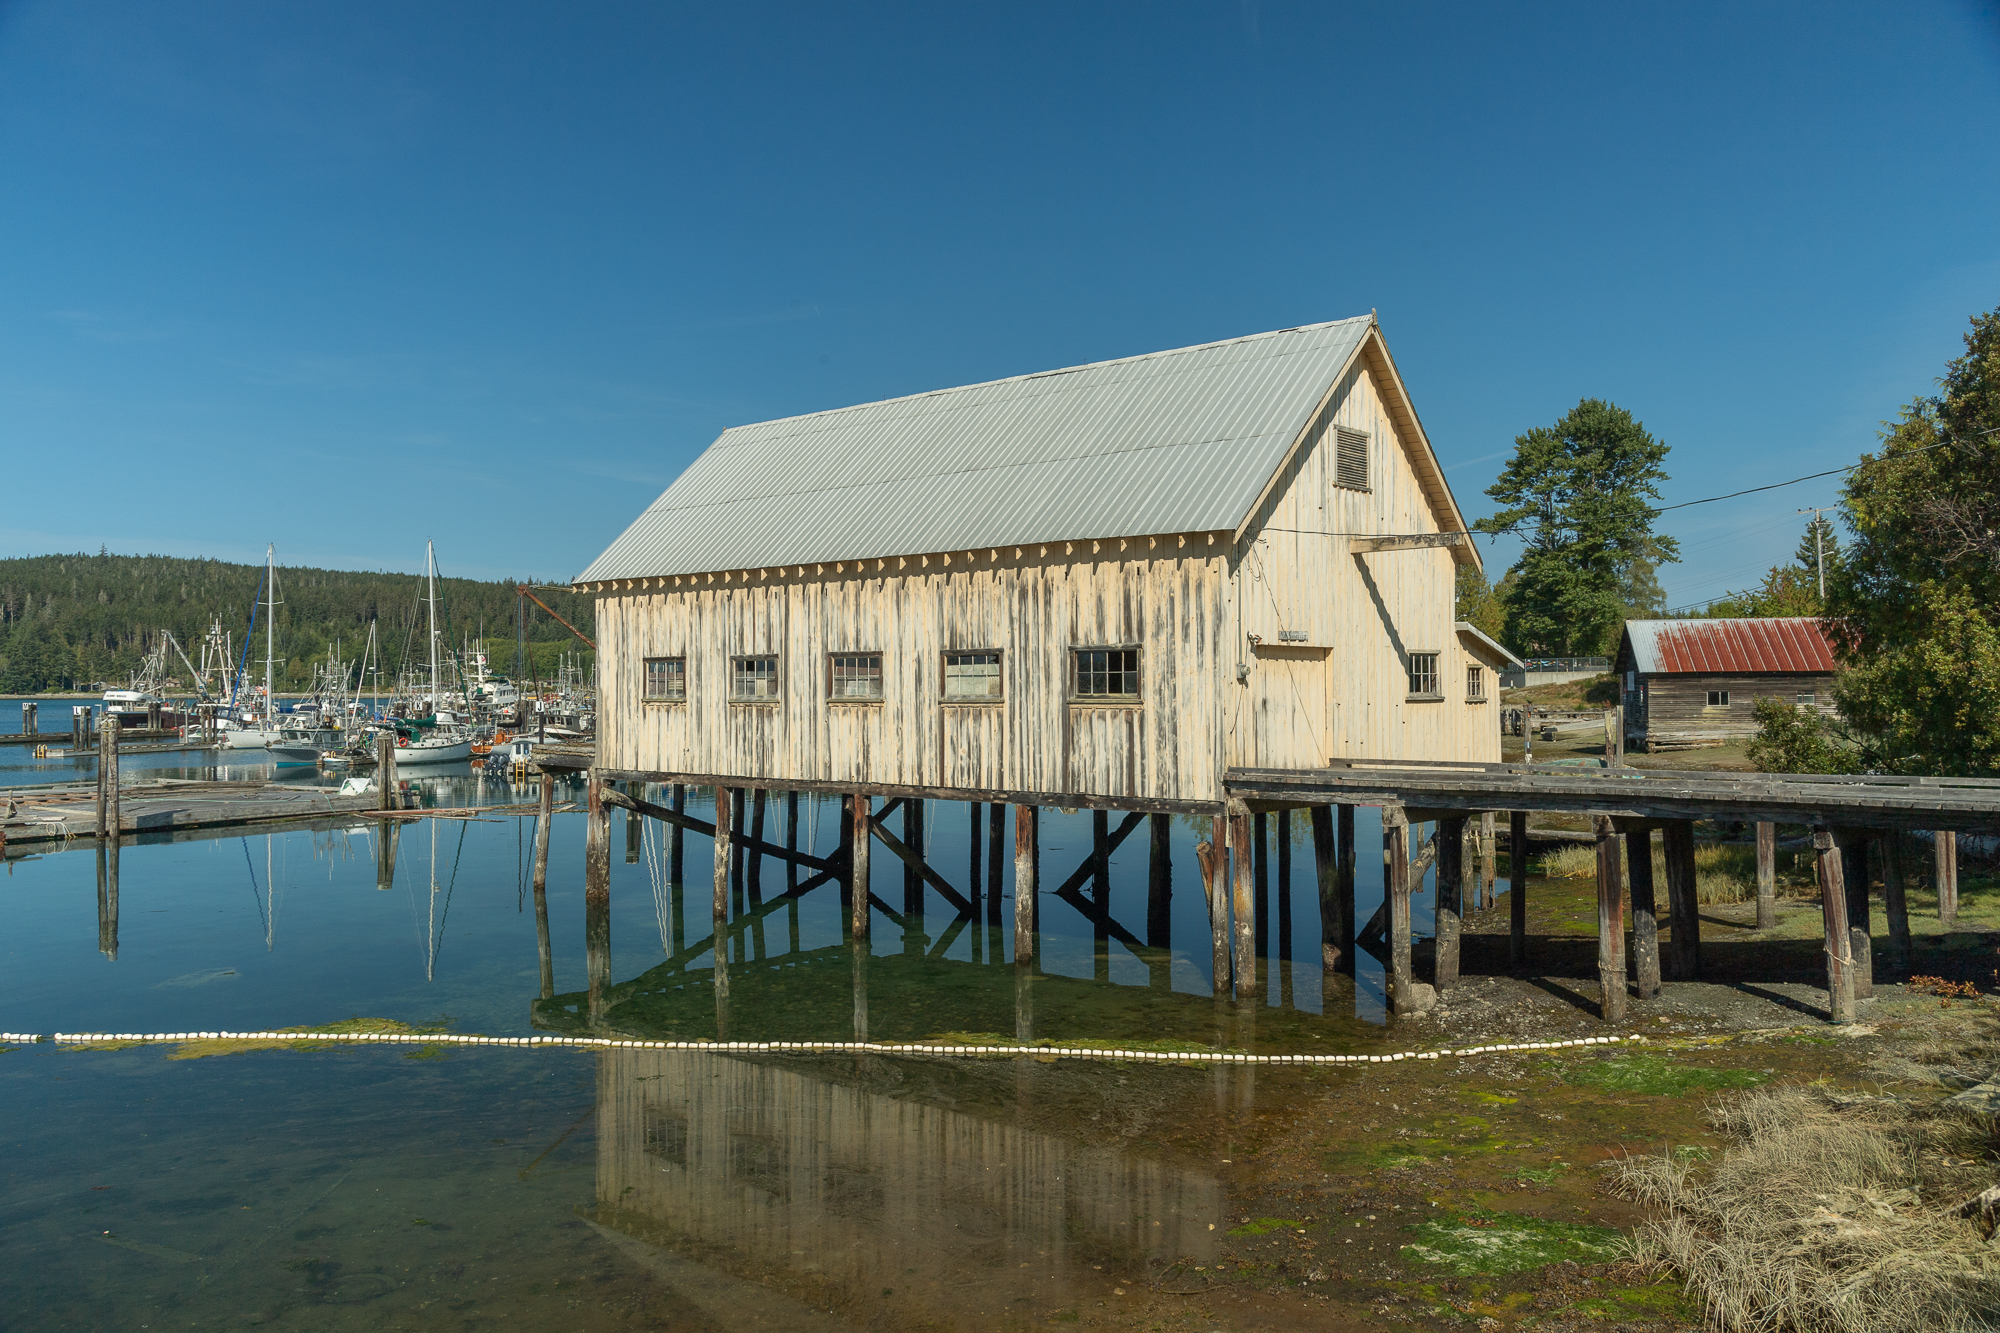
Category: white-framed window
[972,677]
[1104,673]
[1718,698]
[1808,700]
[1475,683]
[854,677]
[753,680]
[666,679]
[1424,676]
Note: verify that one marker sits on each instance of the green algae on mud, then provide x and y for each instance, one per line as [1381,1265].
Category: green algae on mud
[1475,1241]
[297,1039]
[1651,1074]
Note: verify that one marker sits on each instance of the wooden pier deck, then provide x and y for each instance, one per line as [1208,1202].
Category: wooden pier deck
[33,815]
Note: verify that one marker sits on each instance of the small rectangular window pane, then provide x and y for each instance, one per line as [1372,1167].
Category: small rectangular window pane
[1807,700]
[753,678]
[1423,673]
[1107,673]
[972,675]
[855,676]
[1718,698]
[666,678]
[1475,682]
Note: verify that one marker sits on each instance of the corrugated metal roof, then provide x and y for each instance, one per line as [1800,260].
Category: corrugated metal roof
[1501,654]
[1772,643]
[1177,441]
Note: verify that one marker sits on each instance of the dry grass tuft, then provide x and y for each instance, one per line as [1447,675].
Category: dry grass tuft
[1723,872]
[1817,1218]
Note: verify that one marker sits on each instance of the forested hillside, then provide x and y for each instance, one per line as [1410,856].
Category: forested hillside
[67,621]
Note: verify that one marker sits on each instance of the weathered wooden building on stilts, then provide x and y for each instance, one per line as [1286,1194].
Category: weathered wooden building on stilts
[1104,586]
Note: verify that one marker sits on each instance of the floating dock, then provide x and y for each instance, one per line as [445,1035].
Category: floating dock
[162,805]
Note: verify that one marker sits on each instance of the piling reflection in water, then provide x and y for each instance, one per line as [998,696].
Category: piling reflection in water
[823,1177]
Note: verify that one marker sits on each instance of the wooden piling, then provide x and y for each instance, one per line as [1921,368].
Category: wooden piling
[544,815]
[107,899]
[597,894]
[1326,877]
[725,850]
[1683,908]
[996,863]
[1450,900]
[1026,859]
[1645,912]
[107,778]
[758,800]
[1212,855]
[1160,884]
[913,880]
[1396,891]
[1855,881]
[1244,962]
[1767,875]
[1489,865]
[792,845]
[633,824]
[1284,909]
[1100,894]
[861,837]
[675,861]
[1517,889]
[1344,867]
[1945,853]
[1261,864]
[976,863]
[1833,911]
[1610,923]
[1895,904]
[543,948]
[385,774]
[858,952]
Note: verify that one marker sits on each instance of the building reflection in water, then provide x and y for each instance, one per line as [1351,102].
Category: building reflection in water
[825,1181]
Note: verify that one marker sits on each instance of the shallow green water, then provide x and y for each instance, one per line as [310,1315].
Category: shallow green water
[558,1189]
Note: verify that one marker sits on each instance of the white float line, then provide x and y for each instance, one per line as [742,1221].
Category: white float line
[804,1047]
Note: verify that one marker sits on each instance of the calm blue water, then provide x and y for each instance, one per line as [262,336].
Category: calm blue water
[364,1188]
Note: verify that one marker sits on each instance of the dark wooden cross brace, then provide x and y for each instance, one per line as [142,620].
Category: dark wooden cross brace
[1378,925]
[706,829]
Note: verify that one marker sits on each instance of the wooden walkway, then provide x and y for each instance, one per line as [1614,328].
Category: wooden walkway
[57,813]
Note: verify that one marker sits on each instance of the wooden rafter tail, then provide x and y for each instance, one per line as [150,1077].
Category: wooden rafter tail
[1412,541]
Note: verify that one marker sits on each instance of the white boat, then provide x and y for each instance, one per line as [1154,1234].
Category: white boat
[437,748]
[241,736]
[446,743]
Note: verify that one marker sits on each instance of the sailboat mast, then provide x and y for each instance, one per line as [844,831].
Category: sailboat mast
[430,574]
[270,632]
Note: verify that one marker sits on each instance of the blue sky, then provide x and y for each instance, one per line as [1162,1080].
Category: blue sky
[345,276]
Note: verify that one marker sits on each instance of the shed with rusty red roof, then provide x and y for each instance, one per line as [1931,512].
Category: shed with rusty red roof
[1690,683]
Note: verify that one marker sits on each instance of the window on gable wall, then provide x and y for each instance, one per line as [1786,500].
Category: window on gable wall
[1350,458]
[1475,683]
[1424,676]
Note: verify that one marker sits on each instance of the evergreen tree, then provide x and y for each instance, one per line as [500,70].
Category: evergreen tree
[1914,602]
[1579,489]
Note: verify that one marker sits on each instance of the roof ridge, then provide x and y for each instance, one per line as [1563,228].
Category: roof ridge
[1042,374]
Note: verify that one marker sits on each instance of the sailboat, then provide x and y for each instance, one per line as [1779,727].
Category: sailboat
[423,740]
[259,734]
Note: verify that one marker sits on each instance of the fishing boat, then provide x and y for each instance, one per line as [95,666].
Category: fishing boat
[241,730]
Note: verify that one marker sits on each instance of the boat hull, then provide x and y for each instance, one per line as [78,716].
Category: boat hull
[448,752]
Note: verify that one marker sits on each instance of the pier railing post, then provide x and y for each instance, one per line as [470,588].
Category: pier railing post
[1610,923]
[1247,854]
[1517,889]
[1212,855]
[1833,912]
[1450,902]
[1396,890]
[1767,875]
[1025,860]
[1645,911]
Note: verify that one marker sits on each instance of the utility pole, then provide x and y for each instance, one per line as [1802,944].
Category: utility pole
[1819,545]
